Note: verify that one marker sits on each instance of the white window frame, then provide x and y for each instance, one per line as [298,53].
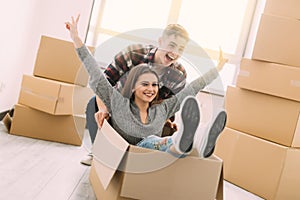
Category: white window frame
[173,15]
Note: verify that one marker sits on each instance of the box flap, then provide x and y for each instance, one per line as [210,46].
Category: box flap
[113,189]
[7,121]
[109,149]
[220,191]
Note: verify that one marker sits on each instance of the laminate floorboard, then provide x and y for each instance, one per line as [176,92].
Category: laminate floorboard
[40,170]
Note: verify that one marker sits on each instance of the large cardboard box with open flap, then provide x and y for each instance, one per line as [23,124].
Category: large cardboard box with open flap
[33,123]
[123,171]
[265,116]
[264,168]
[54,97]
[277,40]
[57,59]
[270,78]
[288,8]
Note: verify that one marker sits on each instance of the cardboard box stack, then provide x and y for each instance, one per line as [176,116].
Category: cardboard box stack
[123,171]
[260,145]
[52,101]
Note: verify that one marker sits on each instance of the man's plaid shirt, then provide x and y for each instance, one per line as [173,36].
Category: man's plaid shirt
[172,78]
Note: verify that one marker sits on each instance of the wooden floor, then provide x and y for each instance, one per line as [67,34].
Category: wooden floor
[32,169]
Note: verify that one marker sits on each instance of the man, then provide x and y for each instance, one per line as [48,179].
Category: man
[172,74]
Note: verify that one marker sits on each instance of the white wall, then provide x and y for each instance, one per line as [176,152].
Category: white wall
[22,24]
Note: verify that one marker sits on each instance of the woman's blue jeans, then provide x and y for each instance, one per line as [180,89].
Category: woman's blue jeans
[155,142]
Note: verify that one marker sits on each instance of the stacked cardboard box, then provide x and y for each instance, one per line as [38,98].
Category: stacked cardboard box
[123,171]
[52,101]
[260,145]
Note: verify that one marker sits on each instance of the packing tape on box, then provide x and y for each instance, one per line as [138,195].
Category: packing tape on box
[244,73]
[30,92]
[295,83]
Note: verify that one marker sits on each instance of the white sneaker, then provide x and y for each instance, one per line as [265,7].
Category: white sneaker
[87,160]
[189,120]
[208,143]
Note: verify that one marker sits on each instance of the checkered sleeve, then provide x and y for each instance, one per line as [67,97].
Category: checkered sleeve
[181,79]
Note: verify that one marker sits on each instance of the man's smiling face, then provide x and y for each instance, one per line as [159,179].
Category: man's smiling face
[170,49]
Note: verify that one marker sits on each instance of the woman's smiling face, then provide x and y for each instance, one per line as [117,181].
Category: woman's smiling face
[146,88]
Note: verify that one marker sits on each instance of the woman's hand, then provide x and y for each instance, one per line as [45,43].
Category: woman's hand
[222,61]
[72,27]
[100,116]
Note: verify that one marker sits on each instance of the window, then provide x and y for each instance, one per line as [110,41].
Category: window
[211,24]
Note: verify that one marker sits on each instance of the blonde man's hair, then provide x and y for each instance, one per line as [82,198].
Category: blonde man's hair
[177,30]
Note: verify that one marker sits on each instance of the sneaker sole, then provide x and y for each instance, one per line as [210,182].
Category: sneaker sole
[214,132]
[87,161]
[190,116]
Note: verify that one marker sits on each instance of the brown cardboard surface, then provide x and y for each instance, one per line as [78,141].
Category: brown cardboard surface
[278,40]
[261,169]
[57,59]
[225,151]
[149,174]
[259,166]
[288,8]
[262,115]
[290,178]
[270,78]
[33,123]
[184,175]
[112,192]
[54,97]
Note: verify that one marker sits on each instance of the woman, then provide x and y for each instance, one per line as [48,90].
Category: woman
[135,117]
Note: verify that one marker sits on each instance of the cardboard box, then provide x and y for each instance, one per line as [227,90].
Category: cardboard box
[278,40]
[288,8]
[33,123]
[265,116]
[259,166]
[54,97]
[57,59]
[123,171]
[270,78]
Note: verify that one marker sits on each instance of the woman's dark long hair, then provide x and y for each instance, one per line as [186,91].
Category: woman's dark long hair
[134,74]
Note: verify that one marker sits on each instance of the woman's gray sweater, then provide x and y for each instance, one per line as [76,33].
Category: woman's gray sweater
[125,116]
